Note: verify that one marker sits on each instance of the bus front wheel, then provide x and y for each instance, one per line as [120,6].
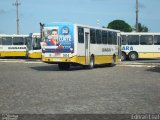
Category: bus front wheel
[133,56]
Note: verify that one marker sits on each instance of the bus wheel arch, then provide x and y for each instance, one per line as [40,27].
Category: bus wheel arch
[123,56]
[133,55]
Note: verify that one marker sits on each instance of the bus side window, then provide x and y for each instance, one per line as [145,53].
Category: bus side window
[157,39]
[98,36]
[104,37]
[18,41]
[7,41]
[114,38]
[110,38]
[133,39]
[93,36]
[146,39]
[0,41]
[80,35]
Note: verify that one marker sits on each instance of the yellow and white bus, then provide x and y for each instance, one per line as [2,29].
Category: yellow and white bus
[67,43]
[140,45]
[14,45]
[34,47]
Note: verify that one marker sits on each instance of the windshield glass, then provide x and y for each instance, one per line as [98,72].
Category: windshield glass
[36,43]
[28,42]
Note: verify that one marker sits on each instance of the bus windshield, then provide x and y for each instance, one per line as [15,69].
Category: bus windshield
[36,43]
[28,42]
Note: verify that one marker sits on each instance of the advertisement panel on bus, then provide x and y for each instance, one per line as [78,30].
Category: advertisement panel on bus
[59,38]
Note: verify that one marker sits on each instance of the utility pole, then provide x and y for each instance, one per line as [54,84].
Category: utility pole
[17,5]
[137,27]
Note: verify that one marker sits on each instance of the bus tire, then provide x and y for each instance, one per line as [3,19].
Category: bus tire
[91,63]
[133,56]
[113,61]
[123,56]
[64,66]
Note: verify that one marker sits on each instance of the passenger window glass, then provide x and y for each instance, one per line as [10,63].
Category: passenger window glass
[133,39]
[109,37]
[93,36]
[80,35]
[157,39]
[0,41]
[146,39]
[18,41]
[98,36]
[104,37]
[6,41]
[114,38]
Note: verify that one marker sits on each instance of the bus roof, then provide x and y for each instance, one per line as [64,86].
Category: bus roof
[75,24]
[13,35]
[140,33]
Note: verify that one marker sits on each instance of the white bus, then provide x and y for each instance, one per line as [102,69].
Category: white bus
[140,45]
[14,45]
[34,48]
[67,43]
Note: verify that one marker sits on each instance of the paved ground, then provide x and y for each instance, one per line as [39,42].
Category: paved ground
[35,87]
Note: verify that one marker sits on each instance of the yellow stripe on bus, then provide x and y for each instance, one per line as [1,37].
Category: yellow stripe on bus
[81,59]
[35,55]
[148,55]
[13,54]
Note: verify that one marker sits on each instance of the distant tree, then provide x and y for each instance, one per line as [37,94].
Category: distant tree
[120,25]
[142,28]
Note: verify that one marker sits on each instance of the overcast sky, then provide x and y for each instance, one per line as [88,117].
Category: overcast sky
[31,12]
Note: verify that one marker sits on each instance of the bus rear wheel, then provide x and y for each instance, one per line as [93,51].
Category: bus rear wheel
[113,61]
[133,56]
[64,66]
[91,63]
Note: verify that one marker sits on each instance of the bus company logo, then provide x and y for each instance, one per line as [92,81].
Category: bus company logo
[130,48]
[16,47]
[65,30]
[106,49]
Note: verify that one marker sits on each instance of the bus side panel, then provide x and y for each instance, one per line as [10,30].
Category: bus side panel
[11,51]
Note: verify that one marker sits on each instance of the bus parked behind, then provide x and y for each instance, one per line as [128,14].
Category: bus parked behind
[140,45]
[14,45]
[34,48]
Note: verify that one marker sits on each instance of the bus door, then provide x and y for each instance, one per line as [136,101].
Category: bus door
[87,45]
[119,46]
